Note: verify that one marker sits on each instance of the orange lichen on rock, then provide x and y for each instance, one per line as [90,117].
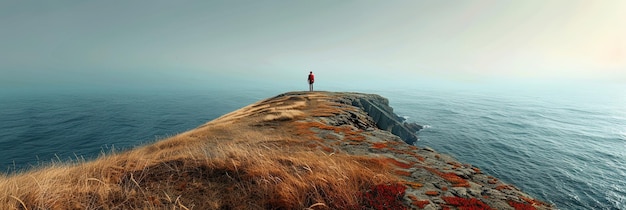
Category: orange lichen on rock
[451,177]
[397,163]
[521,206]
[466,203]
[420,158]
[503,187]
[379,145]
[419,203]
[455,165]
[331,137]
[413,185]
[410,153]
[533,201]
[394,142]
[463,184]
[358,138]
[432,193]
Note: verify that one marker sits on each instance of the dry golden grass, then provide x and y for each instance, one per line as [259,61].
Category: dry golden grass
[205,176]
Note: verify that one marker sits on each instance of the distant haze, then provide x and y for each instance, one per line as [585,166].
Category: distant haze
[199,43]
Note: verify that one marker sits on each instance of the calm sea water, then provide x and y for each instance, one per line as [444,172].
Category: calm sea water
[568,149]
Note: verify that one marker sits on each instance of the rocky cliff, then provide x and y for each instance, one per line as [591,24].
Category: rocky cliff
[298,150]
[382,114]
[364,125]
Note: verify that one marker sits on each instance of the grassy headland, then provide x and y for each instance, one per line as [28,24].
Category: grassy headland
[294,151]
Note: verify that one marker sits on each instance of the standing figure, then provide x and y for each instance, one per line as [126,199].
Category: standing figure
[311,79]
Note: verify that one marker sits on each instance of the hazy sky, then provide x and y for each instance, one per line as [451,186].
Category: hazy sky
[192,42]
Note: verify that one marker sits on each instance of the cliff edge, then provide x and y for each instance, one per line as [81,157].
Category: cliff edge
[298,150]
[378,109]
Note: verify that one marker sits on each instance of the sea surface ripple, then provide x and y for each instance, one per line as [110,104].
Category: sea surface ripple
[567,151]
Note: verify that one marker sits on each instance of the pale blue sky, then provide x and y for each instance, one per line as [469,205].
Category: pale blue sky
[147,43]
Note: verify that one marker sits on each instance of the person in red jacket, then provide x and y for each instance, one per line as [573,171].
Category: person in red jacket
[311,79]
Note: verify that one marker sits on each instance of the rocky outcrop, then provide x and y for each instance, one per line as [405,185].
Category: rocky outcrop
[383,116]
[364,125]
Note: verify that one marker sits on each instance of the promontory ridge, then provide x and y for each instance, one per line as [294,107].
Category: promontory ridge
[297,150]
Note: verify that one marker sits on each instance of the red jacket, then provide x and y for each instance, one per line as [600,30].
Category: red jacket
[311,78]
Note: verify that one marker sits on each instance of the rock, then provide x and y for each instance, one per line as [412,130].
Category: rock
[413,126]
[465,173]
[440,185]
[460,192]
[473,192]
[431,207]
[438,200]
[493,193]
[382,114]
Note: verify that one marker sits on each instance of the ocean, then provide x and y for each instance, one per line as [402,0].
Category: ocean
[564,147]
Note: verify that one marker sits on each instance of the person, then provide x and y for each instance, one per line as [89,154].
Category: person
[311,79]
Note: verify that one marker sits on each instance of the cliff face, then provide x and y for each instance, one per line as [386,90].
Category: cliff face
[298,150]
[382,114]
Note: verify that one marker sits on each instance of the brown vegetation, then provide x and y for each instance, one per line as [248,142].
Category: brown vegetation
[224,176]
